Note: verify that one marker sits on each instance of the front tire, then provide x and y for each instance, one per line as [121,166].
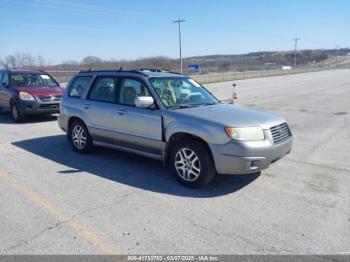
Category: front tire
[17,115]
[192,164]
[80,138]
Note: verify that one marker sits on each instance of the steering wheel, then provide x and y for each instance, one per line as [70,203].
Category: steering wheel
[185,98]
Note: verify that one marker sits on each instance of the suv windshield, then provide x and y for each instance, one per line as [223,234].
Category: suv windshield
[23,80]
[181,92]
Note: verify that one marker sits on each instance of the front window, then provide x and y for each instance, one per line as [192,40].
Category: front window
[23,80]
[181,92]
[129,89]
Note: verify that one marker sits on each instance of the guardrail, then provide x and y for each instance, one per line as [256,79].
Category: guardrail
[64,76]
[231,76]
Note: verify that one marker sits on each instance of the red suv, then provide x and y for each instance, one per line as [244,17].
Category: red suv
[29,92]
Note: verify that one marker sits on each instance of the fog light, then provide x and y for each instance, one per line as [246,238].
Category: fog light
[254,164]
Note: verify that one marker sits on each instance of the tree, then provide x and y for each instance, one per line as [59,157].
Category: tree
[22,60]
[91,61]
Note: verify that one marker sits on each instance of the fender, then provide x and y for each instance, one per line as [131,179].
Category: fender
[188,127]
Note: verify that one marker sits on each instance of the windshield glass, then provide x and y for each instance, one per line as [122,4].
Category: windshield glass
[23,80]
[178,92]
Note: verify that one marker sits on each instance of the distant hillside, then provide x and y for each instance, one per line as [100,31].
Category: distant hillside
[265,59]
[341,60]
[241,62]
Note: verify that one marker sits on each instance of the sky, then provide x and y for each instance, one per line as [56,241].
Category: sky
[65,30]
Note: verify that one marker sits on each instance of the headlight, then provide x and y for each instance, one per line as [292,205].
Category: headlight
[26,96]
[245,133]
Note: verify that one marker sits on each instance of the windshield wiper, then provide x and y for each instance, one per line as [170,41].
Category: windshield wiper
[207,104]
[191,105]
[183,106]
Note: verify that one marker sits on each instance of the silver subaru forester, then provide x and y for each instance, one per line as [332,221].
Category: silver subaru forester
[172,118]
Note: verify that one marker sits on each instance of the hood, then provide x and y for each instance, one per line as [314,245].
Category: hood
[40,90]
[232,116]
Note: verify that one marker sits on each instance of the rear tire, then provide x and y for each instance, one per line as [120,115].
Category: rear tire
[191,163]
[80,138]
[17,115]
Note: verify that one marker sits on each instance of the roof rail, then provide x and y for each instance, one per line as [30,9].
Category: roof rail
[151,70]
[136,71]
[99,70]
[176,73]
[111,71]
[158,70]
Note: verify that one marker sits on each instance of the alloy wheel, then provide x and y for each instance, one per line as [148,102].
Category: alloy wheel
[14,112]
[187,164]
[79,137]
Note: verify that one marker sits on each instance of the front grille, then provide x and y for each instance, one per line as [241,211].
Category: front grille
[51,98]
[49,106]
[280,133]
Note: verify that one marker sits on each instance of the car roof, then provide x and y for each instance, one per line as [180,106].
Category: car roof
[162,74]
[144,72]
[26,71]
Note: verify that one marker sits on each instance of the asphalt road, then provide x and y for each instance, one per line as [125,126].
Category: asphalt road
[55,201]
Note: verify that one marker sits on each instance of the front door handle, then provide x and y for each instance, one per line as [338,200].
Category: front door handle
[86,106]
[121,111]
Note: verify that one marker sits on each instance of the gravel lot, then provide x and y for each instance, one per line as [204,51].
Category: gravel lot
[54,201]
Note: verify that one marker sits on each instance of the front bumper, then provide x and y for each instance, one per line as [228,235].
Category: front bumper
[239,157]
[62,122]
[38,107]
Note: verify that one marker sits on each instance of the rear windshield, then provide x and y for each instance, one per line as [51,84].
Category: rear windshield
[24,80]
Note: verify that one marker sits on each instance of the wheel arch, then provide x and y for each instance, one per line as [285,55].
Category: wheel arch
[69,124]
[180,136]
[12,101]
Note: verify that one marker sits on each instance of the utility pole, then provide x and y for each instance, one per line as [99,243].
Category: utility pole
[336,55]
[179,21]
[295,51]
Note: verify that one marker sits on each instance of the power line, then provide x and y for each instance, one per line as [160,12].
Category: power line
[295,51]
[179,21]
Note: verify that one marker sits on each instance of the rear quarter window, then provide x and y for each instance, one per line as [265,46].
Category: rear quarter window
[78,86]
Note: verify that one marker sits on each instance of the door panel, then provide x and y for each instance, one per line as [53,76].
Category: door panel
[2,96]
[5,93]
[99,109]
[139,127]
[100,120]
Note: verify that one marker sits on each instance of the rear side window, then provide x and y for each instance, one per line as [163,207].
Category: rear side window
[78,86]
[104,89]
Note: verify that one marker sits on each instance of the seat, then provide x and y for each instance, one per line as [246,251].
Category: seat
[103,93]
[168,95]
[129,94]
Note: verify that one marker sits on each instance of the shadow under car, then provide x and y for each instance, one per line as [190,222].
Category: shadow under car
[128,169]
[6,118]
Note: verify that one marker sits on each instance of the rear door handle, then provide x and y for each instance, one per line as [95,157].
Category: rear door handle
[86,106]
[121,111]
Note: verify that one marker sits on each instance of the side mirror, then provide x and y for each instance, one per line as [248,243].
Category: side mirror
[144,101]
[4,84]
